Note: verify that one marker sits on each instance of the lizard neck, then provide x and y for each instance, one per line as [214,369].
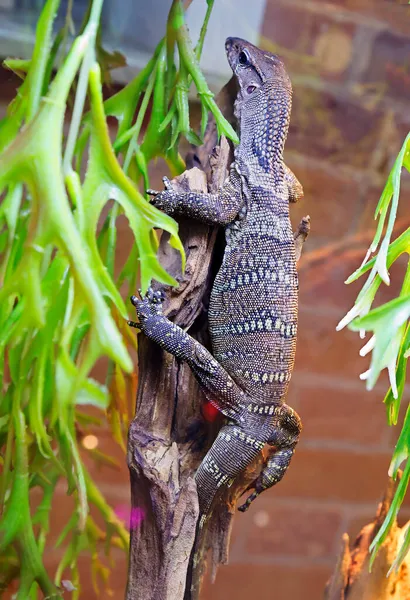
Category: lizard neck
[264,124]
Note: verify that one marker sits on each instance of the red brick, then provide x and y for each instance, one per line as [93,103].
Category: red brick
[267,582]
[317,41]
[389,15]
[404,515]
[356,523]
[397,271]
[9,83]
[323,272]
[332,199]
[285,27]
[331,126]
[330,4]
[278,530]
[116,473]
[341,413]
[321,349]
[328,474]
[113,483]
[113,590]
[11,592]
[389,54]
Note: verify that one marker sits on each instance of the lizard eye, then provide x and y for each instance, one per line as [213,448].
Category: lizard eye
[243,58]
[250,89]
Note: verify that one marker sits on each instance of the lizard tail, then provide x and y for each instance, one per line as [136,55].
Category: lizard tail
[230,453]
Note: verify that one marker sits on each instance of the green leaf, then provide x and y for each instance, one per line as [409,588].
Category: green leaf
[60,310]
[105,179]
[123,104]
[393,403]
[39,60]
[4,422]
[392,513]
[93,393]
[193,138]
[189,59]
[388,323]
[19,66]
[396,248]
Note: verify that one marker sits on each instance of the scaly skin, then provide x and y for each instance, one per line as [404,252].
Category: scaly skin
[254,300]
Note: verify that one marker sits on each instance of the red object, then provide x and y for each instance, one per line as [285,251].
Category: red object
[209,411]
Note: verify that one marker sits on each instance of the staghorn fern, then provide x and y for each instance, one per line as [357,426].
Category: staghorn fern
[60,306]
[390,325]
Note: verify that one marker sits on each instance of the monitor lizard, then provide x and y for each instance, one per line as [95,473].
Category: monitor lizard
[253,307]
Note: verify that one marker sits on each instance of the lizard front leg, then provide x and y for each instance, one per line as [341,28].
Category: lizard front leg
[217,384]
[220,208]
[286,429]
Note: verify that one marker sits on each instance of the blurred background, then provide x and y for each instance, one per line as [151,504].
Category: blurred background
[349,62]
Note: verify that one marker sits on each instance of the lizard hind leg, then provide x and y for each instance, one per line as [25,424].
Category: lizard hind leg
[232,451]
[283,439]
[300,235]
[272,472]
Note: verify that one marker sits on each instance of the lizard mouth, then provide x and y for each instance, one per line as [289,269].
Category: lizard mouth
[233,47]
[235,44]
[229,43]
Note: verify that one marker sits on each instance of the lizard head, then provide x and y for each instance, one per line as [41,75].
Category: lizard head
[255,68]
[264,100]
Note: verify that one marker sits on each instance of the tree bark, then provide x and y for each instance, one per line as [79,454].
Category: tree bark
[352,580]
[169,435]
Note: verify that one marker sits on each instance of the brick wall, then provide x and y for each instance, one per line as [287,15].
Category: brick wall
[348,61]
[349,120]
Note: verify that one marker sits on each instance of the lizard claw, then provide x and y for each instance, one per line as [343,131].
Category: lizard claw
[134,299]
[244,507]
[148,306]
[133,324]
[167,186]
[165,200]
[155,297]
[167,183]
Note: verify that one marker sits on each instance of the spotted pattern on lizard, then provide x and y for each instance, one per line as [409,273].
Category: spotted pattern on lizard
[254,299]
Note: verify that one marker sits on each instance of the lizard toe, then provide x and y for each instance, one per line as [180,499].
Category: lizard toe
[158,297]
[167,183]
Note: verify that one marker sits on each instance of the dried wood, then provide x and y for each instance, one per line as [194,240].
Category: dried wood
[352,579]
